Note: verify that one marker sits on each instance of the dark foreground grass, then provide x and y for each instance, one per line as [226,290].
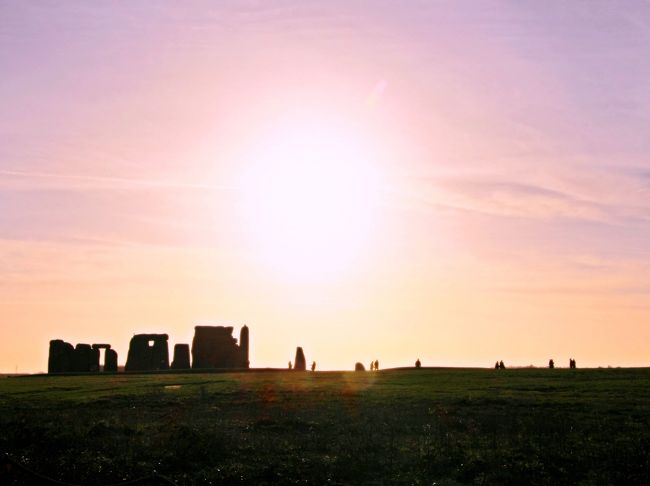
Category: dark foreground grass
[443,426]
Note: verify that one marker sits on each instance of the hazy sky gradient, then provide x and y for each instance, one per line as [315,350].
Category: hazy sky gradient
[512,139]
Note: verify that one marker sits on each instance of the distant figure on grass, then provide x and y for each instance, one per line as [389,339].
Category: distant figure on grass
[551,364]
[290,366]
[359,367]
[372,366]
[501,365]
[496,365]
[572,363]
[313,365]
[418,364]
[376,365]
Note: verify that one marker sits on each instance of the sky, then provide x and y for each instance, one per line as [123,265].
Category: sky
[456,181]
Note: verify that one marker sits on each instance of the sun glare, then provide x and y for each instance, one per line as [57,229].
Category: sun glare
[310,192]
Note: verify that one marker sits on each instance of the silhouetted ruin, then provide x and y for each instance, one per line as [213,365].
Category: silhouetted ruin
[110,357]
[110,361]
[243,346]
[181,357]
[84,358]
[359,367]
[148,352]
[299,364]
[214,347]
[61,356]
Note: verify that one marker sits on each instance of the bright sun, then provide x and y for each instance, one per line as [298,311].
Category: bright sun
[310,194]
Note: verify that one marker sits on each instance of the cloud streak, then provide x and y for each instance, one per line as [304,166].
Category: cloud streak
[49,180]
[614,197]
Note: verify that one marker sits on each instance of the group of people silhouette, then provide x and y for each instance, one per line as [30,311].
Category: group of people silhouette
[374,365]
[500,366]
[572,363]
[313,365]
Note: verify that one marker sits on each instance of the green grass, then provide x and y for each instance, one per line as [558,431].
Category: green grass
[446,426]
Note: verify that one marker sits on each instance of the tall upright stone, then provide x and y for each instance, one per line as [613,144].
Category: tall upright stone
[300,364]
[181,357]
[243,347]
[110,361]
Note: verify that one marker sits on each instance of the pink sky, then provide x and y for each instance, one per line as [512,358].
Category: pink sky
[509,217]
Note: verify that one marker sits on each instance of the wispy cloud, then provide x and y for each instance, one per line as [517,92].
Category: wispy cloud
[16,179]
[509,198]
[613,197]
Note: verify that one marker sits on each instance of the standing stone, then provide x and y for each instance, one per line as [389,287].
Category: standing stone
[214,347]
[86,359]
[107,356]
[61,357]
[181,357]
[148,352]
[359,367]
[110,361]
[299,364]
[243,346]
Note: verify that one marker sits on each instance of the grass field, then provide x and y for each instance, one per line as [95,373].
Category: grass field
[442,426]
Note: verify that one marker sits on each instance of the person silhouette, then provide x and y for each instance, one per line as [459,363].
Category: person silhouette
[417,363]
[372,366]
[501,365]
[496,365]
[290,367]
[376,365]
[313,366]
[551,364]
